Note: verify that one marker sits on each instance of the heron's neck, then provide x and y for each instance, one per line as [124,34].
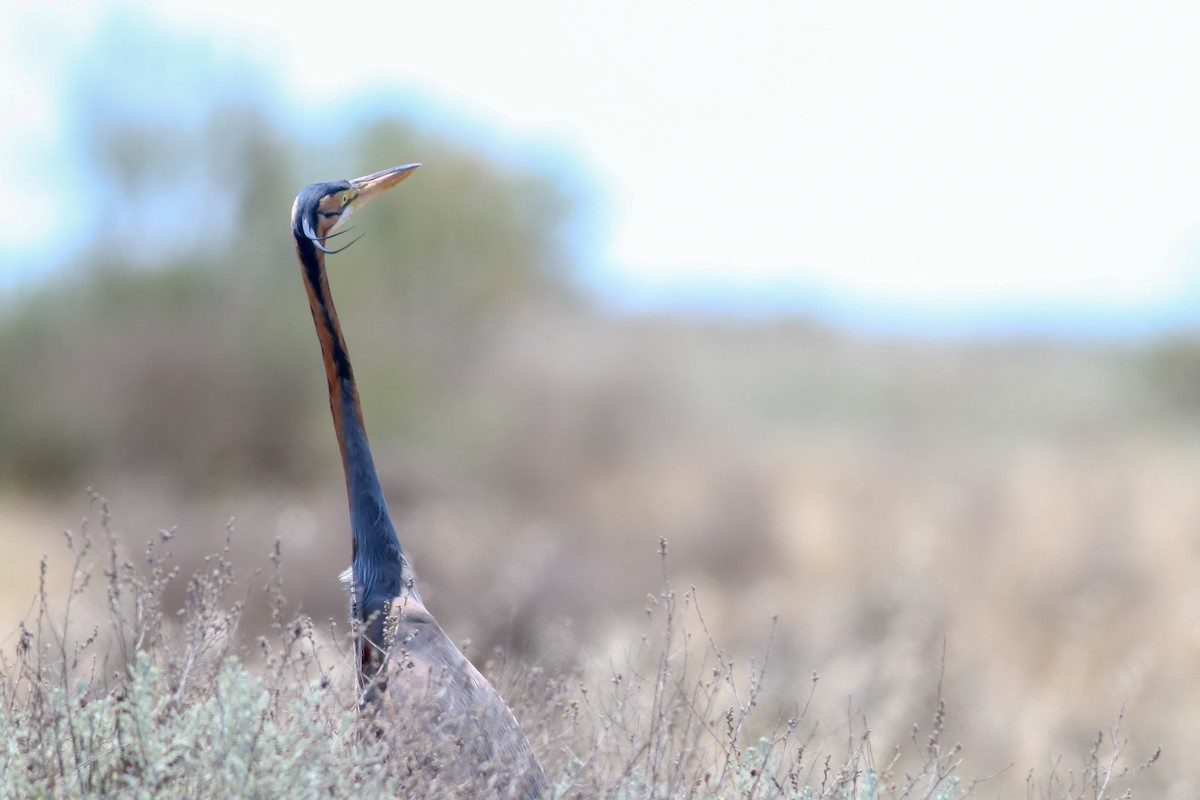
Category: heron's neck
[374,535]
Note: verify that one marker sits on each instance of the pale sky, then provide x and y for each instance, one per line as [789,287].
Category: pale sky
[930,156]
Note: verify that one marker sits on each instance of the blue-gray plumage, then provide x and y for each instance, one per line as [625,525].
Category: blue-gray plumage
[412,678]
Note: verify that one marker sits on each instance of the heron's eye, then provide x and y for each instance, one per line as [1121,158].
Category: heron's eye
[346,198]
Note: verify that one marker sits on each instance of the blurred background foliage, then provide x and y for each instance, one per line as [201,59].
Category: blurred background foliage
[183,314]
[1032,501]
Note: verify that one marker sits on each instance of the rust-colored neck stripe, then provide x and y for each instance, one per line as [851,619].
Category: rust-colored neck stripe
[343,391]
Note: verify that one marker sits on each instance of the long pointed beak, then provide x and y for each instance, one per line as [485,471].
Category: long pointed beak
[371,186]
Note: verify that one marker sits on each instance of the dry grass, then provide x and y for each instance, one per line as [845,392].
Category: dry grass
[156,701]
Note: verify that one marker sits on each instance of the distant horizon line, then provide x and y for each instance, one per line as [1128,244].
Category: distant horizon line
[617,291]
[852,312]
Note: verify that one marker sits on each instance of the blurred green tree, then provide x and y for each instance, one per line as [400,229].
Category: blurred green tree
[179,338]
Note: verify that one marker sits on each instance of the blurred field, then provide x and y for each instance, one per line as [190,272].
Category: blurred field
[1031,506]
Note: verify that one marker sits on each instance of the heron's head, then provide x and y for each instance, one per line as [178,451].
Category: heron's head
[321,208]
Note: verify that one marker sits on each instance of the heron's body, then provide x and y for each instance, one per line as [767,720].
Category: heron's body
[418,685]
